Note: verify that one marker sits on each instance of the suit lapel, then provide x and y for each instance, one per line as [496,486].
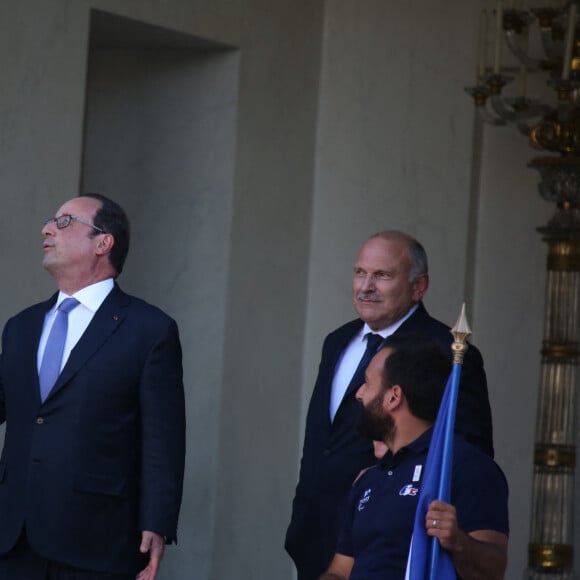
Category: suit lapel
[340,345]
[338,348]
[105,322]
[415,322]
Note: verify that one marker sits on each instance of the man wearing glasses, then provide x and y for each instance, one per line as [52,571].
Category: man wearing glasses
[91,391]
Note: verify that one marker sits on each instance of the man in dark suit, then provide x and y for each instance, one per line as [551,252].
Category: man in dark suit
[91,472]
[390,280]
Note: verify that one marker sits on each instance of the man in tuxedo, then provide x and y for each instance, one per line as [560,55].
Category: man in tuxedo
[390,279]
[91,392]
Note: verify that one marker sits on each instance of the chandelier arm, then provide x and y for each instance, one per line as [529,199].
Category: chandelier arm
[524,128]
[499,107]
[489,118]
[554,50]
[506,110]
[513,40]
[535,109]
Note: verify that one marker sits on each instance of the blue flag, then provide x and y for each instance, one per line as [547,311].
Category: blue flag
[426,560]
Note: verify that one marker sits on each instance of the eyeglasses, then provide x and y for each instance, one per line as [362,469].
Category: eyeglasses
[64,221]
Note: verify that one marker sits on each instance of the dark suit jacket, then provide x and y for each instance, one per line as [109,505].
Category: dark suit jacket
[334,453]
[103,457]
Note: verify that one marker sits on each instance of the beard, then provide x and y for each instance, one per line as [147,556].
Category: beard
[374,423]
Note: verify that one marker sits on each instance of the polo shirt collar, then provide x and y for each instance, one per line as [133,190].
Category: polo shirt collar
[416,447]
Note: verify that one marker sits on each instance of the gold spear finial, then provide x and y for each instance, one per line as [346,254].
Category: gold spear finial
[461,332]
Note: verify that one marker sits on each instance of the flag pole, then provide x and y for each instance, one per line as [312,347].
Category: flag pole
[461,333]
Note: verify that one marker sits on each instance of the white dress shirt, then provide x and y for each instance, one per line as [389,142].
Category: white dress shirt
[350,357]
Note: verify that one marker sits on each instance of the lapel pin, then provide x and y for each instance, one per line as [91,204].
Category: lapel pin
[115,317]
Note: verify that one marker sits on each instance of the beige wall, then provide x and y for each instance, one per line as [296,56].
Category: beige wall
[252,175]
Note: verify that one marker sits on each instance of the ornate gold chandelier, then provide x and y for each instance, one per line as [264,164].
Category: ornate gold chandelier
[553,126]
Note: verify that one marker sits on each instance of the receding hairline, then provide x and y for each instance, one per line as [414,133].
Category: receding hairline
[394,236]
[415,250]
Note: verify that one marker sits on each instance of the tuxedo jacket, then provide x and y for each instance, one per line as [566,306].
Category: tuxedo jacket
[103,457]
[334,453]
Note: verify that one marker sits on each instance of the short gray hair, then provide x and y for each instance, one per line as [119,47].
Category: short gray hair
[417,254]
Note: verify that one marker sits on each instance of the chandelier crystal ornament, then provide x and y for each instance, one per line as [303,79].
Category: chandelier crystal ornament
[552,126]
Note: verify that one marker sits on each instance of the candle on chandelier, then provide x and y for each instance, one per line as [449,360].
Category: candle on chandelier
[482,47]
[523,77]
[498,36]
[569,42]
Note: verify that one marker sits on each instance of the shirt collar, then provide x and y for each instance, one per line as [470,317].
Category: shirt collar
[384,332]
[92,296]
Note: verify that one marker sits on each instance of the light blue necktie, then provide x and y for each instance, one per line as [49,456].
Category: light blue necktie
[52,358]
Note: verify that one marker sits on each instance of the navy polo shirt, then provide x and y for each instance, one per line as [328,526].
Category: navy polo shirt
[381,506]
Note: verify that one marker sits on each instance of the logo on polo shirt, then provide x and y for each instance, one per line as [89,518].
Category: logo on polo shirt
[409,490]
[364,499]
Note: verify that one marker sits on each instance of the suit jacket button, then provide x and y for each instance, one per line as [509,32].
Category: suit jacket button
[326,452]
[39,420]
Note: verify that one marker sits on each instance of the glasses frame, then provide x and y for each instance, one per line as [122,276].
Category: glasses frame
[64,221]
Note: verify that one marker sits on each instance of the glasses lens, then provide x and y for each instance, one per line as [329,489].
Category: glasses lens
[63,221]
